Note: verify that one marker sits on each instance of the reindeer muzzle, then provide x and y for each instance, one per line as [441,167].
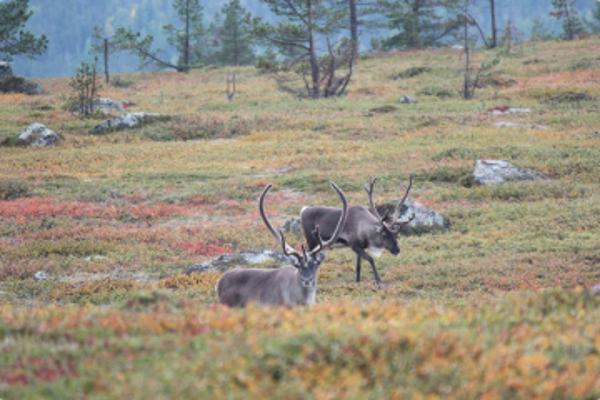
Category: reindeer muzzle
[307,283]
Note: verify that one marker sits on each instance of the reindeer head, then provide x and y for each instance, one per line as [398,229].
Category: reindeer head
[387,237]
[307,262]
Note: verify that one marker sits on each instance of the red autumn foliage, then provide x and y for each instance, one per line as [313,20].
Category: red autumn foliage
[24,370]
[31,208]
[202,248]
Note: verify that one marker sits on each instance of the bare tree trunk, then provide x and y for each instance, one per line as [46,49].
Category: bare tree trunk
[232,92]
[106,74]
[354,26]
[236,50]
[569,26]
[314,61]
[186,38]
[467,94]
[494,30]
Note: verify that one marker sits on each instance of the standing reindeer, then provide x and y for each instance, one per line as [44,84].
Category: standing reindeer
[364,229]
[290,285]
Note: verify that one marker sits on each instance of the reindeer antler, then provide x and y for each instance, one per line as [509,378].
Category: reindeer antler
[338,229]
[287,249]
[396,226]
[372,208]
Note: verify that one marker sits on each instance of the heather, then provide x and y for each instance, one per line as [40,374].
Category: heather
[494,306]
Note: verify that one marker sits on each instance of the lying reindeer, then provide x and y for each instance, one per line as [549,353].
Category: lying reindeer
[290,285]
[364,229]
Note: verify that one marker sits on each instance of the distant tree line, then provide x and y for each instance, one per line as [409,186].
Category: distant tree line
[319,40]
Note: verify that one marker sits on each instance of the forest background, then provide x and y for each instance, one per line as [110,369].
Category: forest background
[69,27]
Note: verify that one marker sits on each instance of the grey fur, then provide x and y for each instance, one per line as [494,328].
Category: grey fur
[364,230]
[290,285]
[279,286]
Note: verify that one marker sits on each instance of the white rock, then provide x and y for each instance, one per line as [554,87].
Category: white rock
[37,134]
[500,171]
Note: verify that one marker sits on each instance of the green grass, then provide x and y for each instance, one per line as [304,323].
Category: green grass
[493,305]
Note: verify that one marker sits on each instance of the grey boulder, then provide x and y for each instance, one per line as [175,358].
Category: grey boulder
[126,121]
[227,261]
[500,171]
[37,134]
[423,218]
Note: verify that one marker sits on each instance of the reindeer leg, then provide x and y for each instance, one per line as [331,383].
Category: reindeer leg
[358,259]
[362,253]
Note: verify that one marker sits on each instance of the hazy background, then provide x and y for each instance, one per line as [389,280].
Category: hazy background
[68,24]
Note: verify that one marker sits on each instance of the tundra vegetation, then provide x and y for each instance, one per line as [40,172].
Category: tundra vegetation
[492,307]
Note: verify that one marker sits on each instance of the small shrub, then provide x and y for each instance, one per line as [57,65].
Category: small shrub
[438,92]
[583,64]
[96,292]
[155,300]
[384,109]
[463,176]
[85,91]
[122,83]
[205,281]
[553,96]
[496,82]
[533,61]
[64,248]
[411,72]
[455,153]
[200,127]
[11,189]
[10,141]
[570,97]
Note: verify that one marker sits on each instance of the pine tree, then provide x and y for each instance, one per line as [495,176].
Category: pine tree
[14,40]
[419,22]
[594,26]
[307,26]
[188,39]
[188,35]
[235,40]
[572,25]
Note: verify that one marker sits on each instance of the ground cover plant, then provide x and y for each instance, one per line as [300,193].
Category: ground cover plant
[494,306]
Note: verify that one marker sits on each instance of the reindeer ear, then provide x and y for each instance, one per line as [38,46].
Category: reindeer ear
[294,261]
[320,257]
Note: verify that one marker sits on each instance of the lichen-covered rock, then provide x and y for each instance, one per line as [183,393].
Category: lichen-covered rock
[425,219]
[500,171]
[5,69]
[227,261]
[37,134]
[19,84]
[107,105]
[407,100]
[587,135]
[515,125]
[127,121]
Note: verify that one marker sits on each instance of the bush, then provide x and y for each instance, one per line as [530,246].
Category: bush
[122,83]
[411,72]
[11,189]
[570,97]
[200,127]
[435,92]
[85,91]
[463,176]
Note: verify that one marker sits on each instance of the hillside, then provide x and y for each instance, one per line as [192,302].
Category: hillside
[494,306]
[69,27]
